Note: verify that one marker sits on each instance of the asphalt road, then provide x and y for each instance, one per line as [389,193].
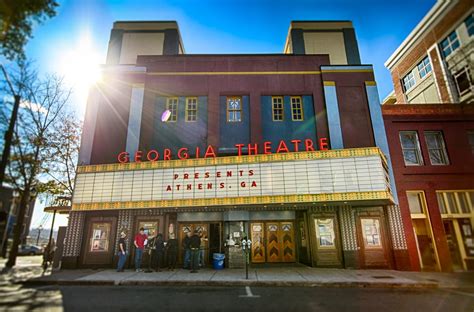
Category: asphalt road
[120,298]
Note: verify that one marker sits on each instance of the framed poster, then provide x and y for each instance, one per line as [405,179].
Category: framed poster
[371,232]
[325,234]
[100,237]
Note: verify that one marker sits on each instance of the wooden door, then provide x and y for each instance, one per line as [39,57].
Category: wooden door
[327,249]
[258,244]
[287,241]
[98,248]
[372,241]
[274,252]
[184,228]
[151,225]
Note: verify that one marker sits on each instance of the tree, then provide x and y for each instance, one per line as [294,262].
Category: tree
[17,18]
[44,102]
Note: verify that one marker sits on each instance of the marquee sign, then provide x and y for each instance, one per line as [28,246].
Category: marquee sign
[362,172]
[210,152]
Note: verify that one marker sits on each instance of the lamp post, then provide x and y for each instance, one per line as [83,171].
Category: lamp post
[246,247]
[40,228]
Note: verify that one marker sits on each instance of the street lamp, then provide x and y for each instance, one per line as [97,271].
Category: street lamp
[246,247]
[40,228]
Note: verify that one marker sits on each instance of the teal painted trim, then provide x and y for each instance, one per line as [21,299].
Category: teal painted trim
[380,135]
[134,120]
[334,121]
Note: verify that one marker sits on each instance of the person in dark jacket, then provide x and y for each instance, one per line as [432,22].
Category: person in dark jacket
[172,252]
[194,244]
[187,251]
[159,252]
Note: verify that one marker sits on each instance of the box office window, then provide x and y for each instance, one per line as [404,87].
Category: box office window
[436,148]
[234,109]
[100,237]
[411,148]
[172,106]
[191,109]
[277,108]
[371,232]
[325,234]
[296,108]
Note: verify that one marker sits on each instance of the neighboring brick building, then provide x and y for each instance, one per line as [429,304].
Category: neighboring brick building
[435,63]
[432,152]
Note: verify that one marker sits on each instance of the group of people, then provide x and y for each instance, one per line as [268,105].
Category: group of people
[194,250]
[193,244]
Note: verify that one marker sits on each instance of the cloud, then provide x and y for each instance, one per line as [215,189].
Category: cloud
[33,107]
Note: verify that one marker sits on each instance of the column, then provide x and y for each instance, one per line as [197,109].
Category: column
[135,118]
[332,109]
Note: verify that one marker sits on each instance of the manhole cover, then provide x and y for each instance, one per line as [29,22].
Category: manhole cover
[382,276]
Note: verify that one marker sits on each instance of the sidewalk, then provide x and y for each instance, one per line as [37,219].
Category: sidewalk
[288,276]
[29,272]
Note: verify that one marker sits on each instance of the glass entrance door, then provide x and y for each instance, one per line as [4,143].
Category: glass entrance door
[453,244]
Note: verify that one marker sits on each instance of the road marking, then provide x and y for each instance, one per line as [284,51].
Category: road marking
[249,293]
[459,292]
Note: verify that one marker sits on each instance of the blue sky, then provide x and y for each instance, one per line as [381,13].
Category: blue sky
[249,26]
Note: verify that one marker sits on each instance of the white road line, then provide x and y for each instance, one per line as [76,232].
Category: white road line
[458,292]
[249,293]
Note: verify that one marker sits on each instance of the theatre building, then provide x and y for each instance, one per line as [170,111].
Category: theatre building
[286,149]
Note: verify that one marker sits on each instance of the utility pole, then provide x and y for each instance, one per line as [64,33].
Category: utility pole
[11,127]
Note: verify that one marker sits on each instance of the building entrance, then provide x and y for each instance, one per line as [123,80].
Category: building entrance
[273,242]
[372,241]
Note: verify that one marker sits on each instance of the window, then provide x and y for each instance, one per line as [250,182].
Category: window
[191,109]
[408,81]
[470,137]
[277,108]
[450,43]
[416,202]
[234,109]
[455,202]
[172,106]
[469,22]
[424,67]
[411,148]
[463,81]
[296,108]
[436,148]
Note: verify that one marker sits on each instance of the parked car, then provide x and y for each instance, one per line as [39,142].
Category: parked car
[30,250]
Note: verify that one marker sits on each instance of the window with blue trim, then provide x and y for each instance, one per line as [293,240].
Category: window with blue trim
[469,22]
[408,81]
[450,44]
[424,67]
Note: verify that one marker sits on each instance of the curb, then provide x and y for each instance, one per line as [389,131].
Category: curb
[354,284]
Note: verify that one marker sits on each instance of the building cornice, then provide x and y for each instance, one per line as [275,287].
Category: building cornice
[438,11]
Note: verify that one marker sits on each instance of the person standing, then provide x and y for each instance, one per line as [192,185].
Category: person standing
[159,251]
[139,242]
[202,251]
[187,250]
[172,252]
[194,244]
[122,253]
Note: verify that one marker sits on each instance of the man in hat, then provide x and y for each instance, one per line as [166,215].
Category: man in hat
[122,253]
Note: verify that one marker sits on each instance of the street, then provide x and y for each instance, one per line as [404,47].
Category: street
[120,298]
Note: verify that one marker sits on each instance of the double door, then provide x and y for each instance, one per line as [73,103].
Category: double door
[273,242]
